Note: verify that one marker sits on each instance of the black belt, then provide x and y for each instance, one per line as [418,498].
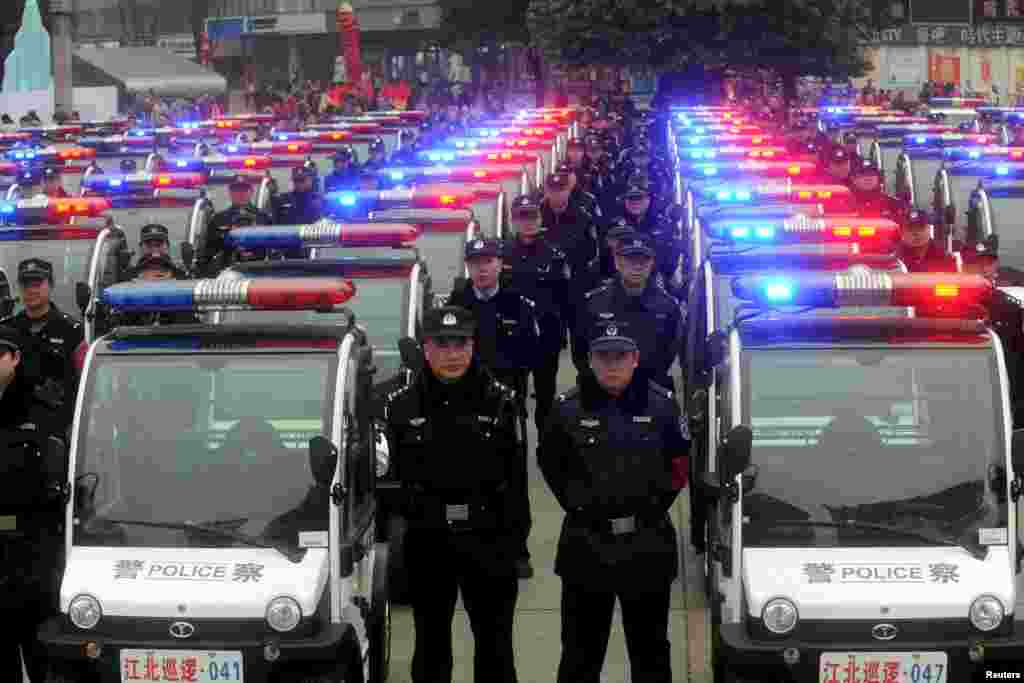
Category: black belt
[622,526]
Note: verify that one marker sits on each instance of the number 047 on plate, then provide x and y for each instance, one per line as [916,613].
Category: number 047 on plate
[181,666]
[882,667]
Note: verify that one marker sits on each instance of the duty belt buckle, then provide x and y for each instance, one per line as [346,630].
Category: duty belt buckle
[456,513]
[623,525]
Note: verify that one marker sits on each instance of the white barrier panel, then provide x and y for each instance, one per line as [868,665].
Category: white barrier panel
[94,104]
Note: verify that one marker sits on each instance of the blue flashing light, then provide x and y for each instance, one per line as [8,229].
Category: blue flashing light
[116,182]
[699,131]
[156,296]
[1002,170]
[974,154]
[723,195]
[740,233]
[780,291]
[181,163]
[347,199]
[743,195]
[434,156]
[397,175]
[233,148]
[7,208]
[920,139]
[765,233]
[710,170]
[695,141]
[182,343]
[282,138]
[273,237]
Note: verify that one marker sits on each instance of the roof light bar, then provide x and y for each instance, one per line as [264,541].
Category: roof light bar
[323,234]
[268,294]
[801,228]
[136,182]
[41,208]
[56,233]
[864,288]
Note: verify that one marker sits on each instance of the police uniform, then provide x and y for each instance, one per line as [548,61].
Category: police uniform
[933,259]
[507,339]
[57,192]
[155,262]
[615,465]
[656,318]
[29,564]
[215,254]
[299,208]
[346,178]
[573,231]
[874,203]
[539,272]
[455,451]
[49,349]
[154,232]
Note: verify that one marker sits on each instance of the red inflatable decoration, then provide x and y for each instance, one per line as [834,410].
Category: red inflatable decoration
[349,47]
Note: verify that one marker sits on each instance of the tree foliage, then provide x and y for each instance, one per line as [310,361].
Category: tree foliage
[466,24]
[815,37]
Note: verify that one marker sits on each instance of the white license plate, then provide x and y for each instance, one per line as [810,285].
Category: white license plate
[883,667]
[181,666]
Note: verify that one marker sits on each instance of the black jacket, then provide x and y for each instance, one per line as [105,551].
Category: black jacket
[298,208]
[656,324]
[507,330]
[934,260]
[605,458]
[215,255]
[539,271]
[456,444]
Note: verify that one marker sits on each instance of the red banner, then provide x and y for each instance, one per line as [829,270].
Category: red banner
[348,43]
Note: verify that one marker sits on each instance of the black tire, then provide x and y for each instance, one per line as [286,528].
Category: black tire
[379,625]
[398,580]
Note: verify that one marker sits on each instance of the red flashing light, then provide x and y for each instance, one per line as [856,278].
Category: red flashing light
[76,153]
[922,289]
[293,147]
[90,206]
[479,174]
[176,180]
[447,200]
[334,135]
[250,163]
[297,293]
[793,170]
[1016,153]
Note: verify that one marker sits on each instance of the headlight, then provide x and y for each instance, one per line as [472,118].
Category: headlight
[383,453]
[84,611]
[779,616]
[987,613]
[283,614]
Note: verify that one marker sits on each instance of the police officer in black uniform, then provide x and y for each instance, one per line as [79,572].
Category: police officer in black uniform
[578,197]
[377,157]
[345,175]
[52,185]
[303,205]
[507,340]
[215,254]
[154,240]
[51,339]
[455,449]
[30,544]
[152,269]
[635,296]
[868,192]
[539,272]
[568,227]
[919,250]
[615,456]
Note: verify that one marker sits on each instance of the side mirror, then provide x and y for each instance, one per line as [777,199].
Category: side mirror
[735,451]
[1017,451]
[411,354]
[83,295]
[188,254]
[323,458]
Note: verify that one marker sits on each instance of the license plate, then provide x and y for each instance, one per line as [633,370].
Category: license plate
[180,666]
[883,667]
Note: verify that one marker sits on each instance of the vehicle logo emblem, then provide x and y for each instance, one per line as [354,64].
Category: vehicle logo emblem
[449,319]
[612,331]
[884,632]
[182,630]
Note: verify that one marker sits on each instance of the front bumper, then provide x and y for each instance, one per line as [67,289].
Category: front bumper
[320,652]
[763,660]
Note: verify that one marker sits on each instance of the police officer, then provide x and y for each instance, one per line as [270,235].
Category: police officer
[29,180]
[576,156]
[303,205]
[538,271]
[619,230]
[918,250]
[838,164]
[154,268]
[242,213]
[31,560]
[635,296]
[345,175]
[128,166]
[154,240]
[568,227]
[638,208]
[455,450]
[52,186]
[615,456]
[377,157]
[578,197]
[51,338]
[868,192]
[507,339]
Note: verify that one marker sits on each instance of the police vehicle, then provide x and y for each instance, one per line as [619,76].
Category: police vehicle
[546,149]
[906,422]
[782,197]
[531,163]
[992,213]
[956,181]
[138,143]
[220,525]
[885,146]
[924,155]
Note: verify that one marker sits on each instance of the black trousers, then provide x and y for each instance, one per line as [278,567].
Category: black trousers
[587,625]
[519,381]
[490,604]
[25,619]
[545,381]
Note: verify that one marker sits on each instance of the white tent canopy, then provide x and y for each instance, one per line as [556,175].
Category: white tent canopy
[141,69]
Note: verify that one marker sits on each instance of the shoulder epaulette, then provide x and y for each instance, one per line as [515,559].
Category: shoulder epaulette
[660,390]
[597,290]
[396,393]
[502,388]
[568,395]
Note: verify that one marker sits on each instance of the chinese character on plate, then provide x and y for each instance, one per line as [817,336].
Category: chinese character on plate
[190,670]
[892,672]
[152,671]
[131,669]
[171,669]
[872,672]
[850,671]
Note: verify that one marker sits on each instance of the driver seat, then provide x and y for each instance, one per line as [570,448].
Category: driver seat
[252,434]
[850,434]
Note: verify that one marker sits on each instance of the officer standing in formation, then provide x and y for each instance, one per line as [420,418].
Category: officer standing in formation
[52,185]
[919,251]
[455,449]
[154,240]
[635,296]
[615,455]
[215,254]
[303,205]
[507,338]
[51,338]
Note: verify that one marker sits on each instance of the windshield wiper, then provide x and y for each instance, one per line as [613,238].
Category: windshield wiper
[976,550]
[293,554]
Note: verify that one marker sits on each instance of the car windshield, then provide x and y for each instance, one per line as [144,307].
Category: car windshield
[379,307]
[70,259]
[206,438]
[907,437]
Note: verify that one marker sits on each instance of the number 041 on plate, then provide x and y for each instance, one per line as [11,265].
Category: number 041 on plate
[882,667]
[181,666]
